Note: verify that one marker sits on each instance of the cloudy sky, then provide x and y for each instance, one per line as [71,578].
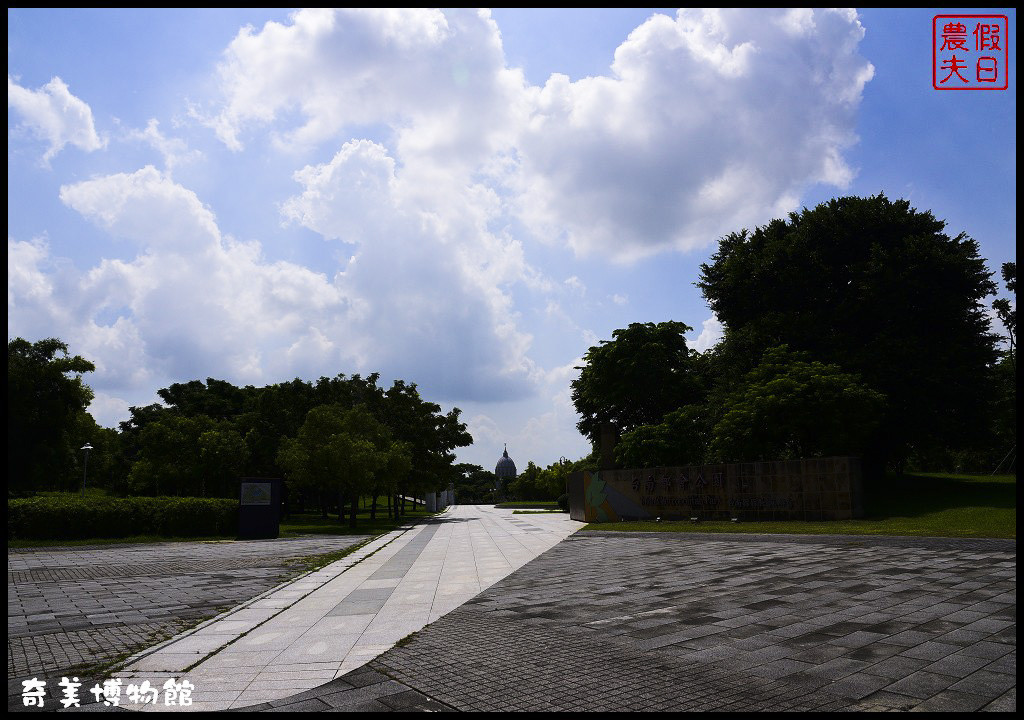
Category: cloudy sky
[467,200]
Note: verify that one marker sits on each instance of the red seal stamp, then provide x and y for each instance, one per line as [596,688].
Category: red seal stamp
[970,52]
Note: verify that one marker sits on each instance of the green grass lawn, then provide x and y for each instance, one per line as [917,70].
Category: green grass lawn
[922,504]
[529,505]
[313,524]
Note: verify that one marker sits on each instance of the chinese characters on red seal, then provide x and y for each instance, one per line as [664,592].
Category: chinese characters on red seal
[970,52]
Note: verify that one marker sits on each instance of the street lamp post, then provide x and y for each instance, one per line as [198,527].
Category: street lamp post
[85,448]
[563,462]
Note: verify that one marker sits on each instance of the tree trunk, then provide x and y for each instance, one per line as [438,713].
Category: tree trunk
[355,509]
[323,505]
[341,507]
[403,504]
[389,506]
[373,508]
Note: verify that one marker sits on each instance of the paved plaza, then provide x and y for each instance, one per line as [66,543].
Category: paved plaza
[337,619]
[481,609]
[76,606]
[619,622]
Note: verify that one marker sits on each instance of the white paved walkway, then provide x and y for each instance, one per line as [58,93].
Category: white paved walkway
[336,619]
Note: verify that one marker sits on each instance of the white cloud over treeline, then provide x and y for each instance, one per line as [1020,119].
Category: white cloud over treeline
[707,122]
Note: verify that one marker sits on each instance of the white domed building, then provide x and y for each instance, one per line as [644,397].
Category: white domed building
[506,472]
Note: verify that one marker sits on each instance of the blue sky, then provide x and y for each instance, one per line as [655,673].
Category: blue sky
[464,200]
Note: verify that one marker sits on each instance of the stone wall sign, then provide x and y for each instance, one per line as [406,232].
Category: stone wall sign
[813,489]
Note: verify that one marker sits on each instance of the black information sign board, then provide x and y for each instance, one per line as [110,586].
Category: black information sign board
[259,508]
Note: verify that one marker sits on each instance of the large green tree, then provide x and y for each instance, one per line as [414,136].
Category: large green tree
[107,466]
[217,399]
[1007,311]
[877,288]
[266,416]
[788,407]
[45,400]
[473,484]
[430,437]
[792,407]
[188,456]
[340,451]
[644,372]
[396,463]
[682,438]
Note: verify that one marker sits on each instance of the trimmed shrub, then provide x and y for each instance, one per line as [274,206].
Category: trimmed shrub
[563,502]
[76,518]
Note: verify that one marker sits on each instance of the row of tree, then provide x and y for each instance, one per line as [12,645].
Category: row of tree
[334,440]
[858,327]
[474,485]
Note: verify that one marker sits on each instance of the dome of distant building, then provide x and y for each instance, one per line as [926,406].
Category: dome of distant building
[505,469]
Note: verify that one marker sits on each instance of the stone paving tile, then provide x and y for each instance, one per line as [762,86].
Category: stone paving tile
[1007,702]
[986,681]
[838,668]
[896,667]
[857,686]
[922,684]
[958,665]
[986,649]
[885,700]
[568,631]
[85,605]
[953,701]
[1006,664]
[614,622]
[930,651]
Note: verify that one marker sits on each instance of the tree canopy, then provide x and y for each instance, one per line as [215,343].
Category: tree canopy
[44,411]
[856,327]
[207,434]
[342,451]
[644,372]
[1007,312]
[791,407]
[265,417]
[788,407]
[474,485]
[880,290]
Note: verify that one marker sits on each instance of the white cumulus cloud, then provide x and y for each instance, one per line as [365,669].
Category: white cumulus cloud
[191,303]
[711,332]
[709,122]
[175,151]
[431,287]
[55,115]
[411,67]
[434,168]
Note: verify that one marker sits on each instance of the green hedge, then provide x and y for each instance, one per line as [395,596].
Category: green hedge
[75,518]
